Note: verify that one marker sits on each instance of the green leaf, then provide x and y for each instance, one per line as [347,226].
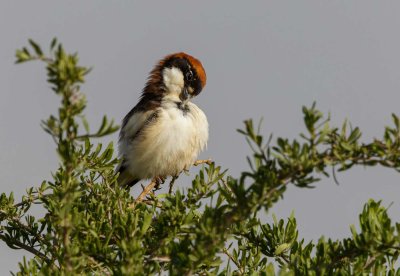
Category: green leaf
[282,248]
[36,47]
[22,56]
[146,222]
[85,124]
[53,43]
[396,120]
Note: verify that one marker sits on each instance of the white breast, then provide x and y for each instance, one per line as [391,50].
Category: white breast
[170,144]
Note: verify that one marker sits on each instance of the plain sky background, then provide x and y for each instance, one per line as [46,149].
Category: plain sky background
[262,58]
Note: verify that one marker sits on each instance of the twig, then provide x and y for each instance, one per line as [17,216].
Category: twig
[226,186]
[284,182]
[196,163]
[29,231]
[205,161]
[233,260]
[151,202]
[147,190]
[27,248]
[31,200]
[161,259]
[171,184]
[84,136]
[369,262]
[156,181]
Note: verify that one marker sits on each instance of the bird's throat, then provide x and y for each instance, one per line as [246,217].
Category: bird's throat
[183,106]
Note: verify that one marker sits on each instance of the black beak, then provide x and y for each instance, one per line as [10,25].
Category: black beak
[184,94]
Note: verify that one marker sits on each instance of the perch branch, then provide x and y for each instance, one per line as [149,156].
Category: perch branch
[156,181]
[147,190]
[205,161]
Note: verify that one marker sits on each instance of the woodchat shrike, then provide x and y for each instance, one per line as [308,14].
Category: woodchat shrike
[164,133]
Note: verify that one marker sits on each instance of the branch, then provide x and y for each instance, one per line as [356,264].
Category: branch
[146,190]
[226,252]
[369,262]
[171,184]
[28,230]
[204,161]
[26,247]
[156,181]
[31,200]
[161,259]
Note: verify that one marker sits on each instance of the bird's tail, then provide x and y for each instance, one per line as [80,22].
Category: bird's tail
[125,179]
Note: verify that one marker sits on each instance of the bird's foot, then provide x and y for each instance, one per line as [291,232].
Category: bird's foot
[159,180]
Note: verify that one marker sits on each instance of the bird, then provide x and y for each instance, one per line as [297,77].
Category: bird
[164,132]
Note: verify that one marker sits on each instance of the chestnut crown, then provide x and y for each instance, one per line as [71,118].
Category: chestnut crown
[181,70]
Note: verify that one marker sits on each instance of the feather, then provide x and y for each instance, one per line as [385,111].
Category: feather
[125,179]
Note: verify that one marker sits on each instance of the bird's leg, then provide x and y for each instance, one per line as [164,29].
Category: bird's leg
[205,161]
[153,185]
[171,184]
[158,180]
[147,189]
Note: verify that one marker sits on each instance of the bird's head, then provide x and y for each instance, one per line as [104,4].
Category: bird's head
[178,77]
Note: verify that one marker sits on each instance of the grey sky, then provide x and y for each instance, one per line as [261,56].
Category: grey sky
[262,58]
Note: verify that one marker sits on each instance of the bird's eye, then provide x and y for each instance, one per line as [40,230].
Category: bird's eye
[189,76]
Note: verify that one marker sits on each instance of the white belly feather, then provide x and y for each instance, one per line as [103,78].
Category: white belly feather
[168,145]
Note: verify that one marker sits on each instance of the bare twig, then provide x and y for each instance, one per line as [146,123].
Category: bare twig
[161,259]
[147,190]
[205,161]
[196,163]
[369,262]
[156,181]
[171,184]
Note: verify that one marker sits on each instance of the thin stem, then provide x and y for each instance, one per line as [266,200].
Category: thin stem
[29,230]
[369,262]
[147,190]
[26,247]
[171,184]
[161,259]
[82,137]
[30,200]
[226,252]
[204,161]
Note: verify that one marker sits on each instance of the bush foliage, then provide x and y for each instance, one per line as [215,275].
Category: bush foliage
[92,226]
